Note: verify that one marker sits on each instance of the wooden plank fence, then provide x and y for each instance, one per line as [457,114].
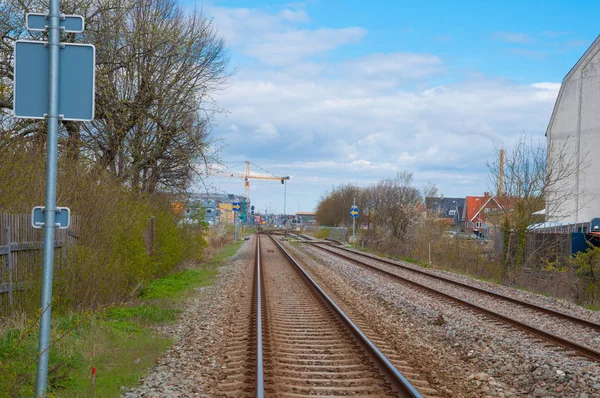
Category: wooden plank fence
[21,248]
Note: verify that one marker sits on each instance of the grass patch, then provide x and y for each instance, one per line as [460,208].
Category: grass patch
[411,260]
[322,233]
[593,307]
[176,285]
[119,342]
[227,252]
[144,314]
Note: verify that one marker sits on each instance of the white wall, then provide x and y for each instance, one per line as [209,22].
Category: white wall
[574,131]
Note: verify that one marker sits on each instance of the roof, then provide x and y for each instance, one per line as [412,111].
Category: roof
[585,59]
[476,203]
[444,205]
[306,213]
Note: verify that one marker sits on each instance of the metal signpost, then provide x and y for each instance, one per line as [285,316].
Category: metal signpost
[354,215]
[52,80]
[235,206]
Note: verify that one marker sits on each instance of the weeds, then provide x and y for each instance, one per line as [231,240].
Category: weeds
[119,341]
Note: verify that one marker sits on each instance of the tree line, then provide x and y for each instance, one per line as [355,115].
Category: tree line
[390,209]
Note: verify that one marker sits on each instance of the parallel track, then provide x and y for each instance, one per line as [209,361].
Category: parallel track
[558,340]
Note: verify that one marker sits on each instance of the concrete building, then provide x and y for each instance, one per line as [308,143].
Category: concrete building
[209,206]
[217,206]
[574,141]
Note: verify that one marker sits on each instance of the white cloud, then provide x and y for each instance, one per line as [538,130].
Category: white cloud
[514,37]
[361,120]
[294,15]
[274,39]
[266,131]
[403,65]
[291,46]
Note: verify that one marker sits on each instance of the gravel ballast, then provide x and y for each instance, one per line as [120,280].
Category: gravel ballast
[459,353]
[192,366]
[483,358]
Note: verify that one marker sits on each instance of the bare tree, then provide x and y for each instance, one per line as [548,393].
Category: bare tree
[390,209]
[334,208]
[397,212]
[532,190]
[158,66]
[156,74]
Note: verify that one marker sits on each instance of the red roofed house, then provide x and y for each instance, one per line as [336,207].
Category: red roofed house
[475,212]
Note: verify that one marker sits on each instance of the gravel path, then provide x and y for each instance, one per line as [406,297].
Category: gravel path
[192,366]
[465,353]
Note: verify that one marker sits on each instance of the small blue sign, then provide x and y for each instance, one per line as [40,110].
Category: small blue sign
[69,23]
[354,211]
[76,81]
[62,219]
[236,206]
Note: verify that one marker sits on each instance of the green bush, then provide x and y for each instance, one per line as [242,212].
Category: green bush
[322,233]
[109,263]
[587,265]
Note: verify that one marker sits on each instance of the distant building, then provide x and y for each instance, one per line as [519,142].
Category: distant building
[306,217]
[209,206]
[574,131]
[217,206]
[449,209]
[226,213]
[478,211]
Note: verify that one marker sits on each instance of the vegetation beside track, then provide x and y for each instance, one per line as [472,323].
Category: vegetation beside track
[120,341]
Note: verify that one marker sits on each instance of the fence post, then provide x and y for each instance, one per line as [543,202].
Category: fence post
[150,236]
[10,267]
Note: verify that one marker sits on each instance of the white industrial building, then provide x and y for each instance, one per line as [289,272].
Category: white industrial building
[574,143]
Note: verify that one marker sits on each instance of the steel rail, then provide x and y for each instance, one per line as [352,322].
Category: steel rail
[570,345]
[260,377]
[394,375]
[550,311]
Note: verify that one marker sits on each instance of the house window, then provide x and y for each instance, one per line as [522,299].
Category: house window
[451,212]
[478,224]
[486,210]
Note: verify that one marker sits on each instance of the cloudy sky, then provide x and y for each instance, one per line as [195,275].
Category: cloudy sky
[332,92]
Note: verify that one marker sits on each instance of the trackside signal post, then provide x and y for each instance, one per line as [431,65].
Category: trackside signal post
[236,207]
[46,86]
[354,215]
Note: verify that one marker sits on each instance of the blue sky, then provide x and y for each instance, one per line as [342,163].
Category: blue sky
[336,92]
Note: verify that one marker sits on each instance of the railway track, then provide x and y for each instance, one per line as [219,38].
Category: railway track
[467,296]
[292,340]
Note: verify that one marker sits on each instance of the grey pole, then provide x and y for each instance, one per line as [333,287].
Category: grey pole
[353,224]
[284,199]
[49,227]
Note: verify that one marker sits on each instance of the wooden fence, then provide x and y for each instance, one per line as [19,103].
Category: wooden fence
[21,248]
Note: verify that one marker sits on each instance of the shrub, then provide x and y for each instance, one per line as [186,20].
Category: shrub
[109,262]
[587,265]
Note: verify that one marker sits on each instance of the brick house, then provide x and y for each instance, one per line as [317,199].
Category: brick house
[477,213]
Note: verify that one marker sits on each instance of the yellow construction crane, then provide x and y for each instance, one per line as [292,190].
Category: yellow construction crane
[247,176]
